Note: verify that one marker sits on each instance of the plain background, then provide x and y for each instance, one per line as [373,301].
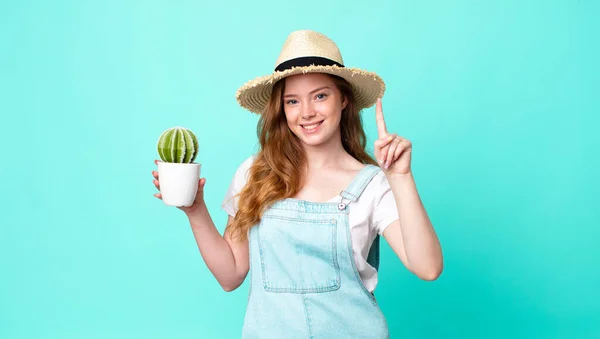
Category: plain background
[500,99]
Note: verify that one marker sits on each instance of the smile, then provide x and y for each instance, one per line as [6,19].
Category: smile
[311,126]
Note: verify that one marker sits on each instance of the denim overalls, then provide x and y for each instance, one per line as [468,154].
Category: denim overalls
[304,282]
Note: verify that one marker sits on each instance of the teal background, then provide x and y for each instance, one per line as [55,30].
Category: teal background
[500,99]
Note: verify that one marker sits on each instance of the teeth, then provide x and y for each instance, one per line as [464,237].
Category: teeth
[310,127]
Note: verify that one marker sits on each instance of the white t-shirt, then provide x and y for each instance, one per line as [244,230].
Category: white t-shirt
[371,214]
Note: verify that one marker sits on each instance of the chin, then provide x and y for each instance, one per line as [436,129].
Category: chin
[314,140]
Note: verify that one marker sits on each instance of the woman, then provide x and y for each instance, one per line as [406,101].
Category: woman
[307,211]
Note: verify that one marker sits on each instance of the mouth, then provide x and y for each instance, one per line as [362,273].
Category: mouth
[311,127]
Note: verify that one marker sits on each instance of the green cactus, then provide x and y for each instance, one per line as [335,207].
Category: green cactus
[178,145]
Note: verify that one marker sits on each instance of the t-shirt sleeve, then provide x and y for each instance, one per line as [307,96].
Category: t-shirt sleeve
[385,210]
[230,202]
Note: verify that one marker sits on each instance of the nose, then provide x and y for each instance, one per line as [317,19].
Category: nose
[307,112]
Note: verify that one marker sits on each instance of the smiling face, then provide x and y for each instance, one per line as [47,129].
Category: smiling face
[313,108]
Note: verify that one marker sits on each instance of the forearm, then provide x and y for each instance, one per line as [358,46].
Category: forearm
[215,250]
[421,244]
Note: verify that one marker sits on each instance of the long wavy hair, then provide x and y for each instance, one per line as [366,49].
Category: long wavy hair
[277,170]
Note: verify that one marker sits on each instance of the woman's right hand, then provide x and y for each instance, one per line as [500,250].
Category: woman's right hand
[198,201]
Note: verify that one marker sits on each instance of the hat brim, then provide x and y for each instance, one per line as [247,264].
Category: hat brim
[367,86]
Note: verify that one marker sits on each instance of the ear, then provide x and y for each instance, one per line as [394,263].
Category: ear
[344,102]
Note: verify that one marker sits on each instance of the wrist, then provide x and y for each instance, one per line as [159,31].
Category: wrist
[401,177]
[197,212]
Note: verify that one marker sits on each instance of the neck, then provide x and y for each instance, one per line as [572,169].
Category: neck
[328,155]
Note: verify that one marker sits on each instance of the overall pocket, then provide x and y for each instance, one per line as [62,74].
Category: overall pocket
[298,256]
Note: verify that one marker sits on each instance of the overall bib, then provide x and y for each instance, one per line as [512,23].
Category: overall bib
[303,277]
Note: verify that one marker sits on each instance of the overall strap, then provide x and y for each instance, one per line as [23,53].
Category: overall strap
[358,185]
[352,193]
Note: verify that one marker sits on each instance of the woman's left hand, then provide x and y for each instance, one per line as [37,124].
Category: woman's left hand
[392,151]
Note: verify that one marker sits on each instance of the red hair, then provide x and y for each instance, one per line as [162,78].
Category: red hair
[276,171]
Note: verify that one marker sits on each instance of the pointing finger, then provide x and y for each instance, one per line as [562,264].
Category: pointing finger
[381,129]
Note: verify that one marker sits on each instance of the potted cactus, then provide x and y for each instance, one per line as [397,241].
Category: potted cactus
[177,172]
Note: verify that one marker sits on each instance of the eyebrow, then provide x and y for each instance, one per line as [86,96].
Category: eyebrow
[311,92]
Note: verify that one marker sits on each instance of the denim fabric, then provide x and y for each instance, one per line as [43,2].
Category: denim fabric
[303,277]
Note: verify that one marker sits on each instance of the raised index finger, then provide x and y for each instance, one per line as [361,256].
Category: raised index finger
[381,129]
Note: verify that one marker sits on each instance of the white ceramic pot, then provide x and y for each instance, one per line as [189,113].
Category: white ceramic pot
[178,183]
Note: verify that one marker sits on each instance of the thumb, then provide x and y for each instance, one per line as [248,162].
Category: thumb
[381,143]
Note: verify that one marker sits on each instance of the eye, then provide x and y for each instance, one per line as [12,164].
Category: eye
[291,102]
[321,96]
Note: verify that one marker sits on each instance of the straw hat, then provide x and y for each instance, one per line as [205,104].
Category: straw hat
[307,51]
